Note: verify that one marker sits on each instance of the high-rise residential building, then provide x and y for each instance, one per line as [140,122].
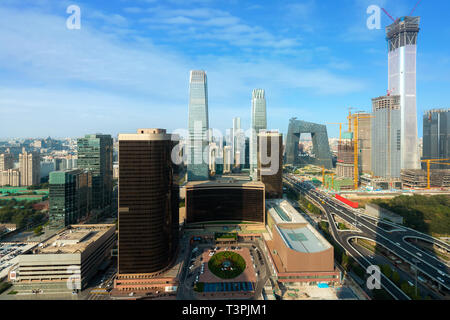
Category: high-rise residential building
[148,203]
[270,162]
[386,137]
[197,168]
[95,154]
[10,177]
[436,137]
[402,46]
[69,197]
[259,122]
[29,166]
[6,161]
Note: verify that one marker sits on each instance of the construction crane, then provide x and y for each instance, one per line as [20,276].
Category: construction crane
[435,161]
[356,118]
[332,179]
[323,174]
[340,129]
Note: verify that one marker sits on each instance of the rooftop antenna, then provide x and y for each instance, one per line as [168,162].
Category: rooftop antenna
[415,7]
[384,10]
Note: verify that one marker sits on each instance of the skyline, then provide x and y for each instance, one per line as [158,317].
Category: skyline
[85,80]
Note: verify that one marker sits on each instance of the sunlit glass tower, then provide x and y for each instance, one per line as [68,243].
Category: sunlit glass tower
[402,46]
[197,167]
[259,122]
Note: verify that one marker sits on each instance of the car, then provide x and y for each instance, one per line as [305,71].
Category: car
[419,254]
[441,273]
[440,279]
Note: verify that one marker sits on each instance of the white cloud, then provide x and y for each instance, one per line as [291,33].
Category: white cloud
[124,84]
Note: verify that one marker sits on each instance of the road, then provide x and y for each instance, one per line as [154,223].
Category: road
[394,241]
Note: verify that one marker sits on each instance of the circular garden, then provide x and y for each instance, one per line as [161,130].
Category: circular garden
[226,264]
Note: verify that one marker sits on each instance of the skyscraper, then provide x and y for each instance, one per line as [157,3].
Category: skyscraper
[436,136]
[270,146]
[197,168]
[148,202]
[69,197]
[238,142]
[259,122]
[95,155]
[29,167]
[386,138]
[402,46]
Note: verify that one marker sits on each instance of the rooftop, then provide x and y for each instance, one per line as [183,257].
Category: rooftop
[303,239]
[224,183]
[282,212]
[76,238]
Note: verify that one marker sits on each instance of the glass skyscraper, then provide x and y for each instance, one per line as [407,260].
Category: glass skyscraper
[259,122]
[436,136]
[402,45]
[197,167]
[95,155]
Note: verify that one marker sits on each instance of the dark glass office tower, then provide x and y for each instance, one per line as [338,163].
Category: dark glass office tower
[436,137]
[148,202]
[95,153]
[270,162]
[69,197]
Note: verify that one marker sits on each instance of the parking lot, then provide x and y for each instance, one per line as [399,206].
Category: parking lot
[9,255]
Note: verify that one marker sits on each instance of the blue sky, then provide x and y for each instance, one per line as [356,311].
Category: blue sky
[128,66]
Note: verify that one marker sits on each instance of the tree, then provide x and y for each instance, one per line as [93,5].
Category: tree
[38,230]
[396,277]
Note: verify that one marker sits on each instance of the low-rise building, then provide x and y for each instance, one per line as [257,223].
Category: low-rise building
[66,261]
[298,252]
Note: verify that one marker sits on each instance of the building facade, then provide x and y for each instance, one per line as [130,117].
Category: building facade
[225,201]
[29,167]
[386,137]
[148,202]
[402,47]
[270,162]
[95,154]
[436,137]
[259,122]
[198,126]
[66,261]
[6,161]
[69,197]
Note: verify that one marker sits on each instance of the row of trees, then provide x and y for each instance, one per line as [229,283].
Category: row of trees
[21,213]
[403,285]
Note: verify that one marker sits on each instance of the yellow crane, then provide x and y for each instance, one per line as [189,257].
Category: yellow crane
[340,129]
[332,179]
[428,161]
[356,118]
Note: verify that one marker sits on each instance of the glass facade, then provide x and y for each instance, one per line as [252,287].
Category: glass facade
[402,46]
[436,137]
[148,204]
[219,204]
[273,181]
[259,122]
[95,155]
[69,197]
[386,137]
[198,127]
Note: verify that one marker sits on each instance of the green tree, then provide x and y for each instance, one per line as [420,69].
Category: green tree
[396,277]
[38,230]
